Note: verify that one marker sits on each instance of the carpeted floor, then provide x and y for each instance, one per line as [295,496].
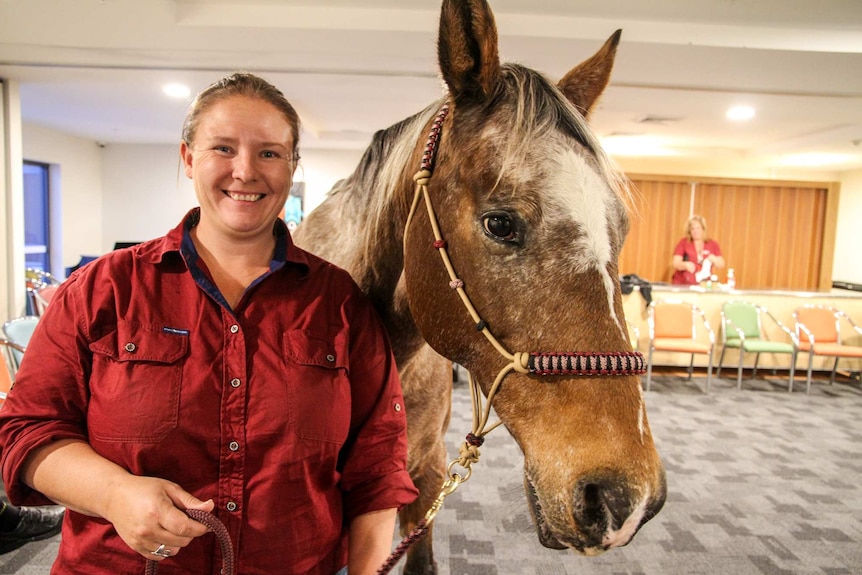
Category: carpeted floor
[761,482]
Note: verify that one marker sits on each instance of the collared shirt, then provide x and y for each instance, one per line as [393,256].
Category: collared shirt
[287,411]
[688,251]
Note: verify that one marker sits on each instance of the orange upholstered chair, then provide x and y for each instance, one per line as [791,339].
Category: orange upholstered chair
[819,330]
[673,327]
[7,376]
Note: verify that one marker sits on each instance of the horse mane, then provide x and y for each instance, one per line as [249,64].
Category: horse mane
[374,200]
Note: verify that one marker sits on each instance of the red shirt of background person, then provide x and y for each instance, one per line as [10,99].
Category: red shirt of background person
[693,252]
[218,368]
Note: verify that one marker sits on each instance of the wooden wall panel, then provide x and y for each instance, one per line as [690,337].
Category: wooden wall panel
[661,210]
[774,234]
[770,234]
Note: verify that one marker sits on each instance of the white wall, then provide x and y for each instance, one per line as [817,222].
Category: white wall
[79,198]
[144,192]
[127,192]
[847,264]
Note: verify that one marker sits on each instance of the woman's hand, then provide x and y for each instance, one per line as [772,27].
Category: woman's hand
[147,513]
[689,266]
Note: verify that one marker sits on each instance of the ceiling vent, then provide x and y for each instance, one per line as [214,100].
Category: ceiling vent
[658,120]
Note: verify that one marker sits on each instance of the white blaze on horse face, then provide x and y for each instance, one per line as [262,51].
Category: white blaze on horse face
[588,200]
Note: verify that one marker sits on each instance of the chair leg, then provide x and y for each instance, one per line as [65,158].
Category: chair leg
[649,369]
[709,371]
[739,369]
[808,383]
[792,369]
[720,361]
[754,371]
[834,368]
[691,368]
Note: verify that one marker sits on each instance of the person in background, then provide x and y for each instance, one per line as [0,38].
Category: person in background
[696,257]
[218,368]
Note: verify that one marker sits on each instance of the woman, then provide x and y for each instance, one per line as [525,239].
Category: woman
[218,368]
[695,258]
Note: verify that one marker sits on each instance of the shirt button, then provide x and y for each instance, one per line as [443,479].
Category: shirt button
[234,328]
[397,407]
[235,382]
[330,358]
[130,347]
[231,506]
[233,446]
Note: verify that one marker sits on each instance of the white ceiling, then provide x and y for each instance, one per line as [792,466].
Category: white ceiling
[94,68]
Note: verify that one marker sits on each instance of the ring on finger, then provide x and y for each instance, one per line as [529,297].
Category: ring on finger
[162,551]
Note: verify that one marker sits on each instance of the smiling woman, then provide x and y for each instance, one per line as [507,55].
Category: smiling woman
[263,384]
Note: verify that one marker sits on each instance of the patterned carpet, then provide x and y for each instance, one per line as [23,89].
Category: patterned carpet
[761,482]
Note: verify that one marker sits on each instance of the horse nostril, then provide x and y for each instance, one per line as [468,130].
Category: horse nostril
[589,509]
[601,506]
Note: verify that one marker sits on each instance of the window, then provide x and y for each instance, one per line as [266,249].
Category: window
[36,216]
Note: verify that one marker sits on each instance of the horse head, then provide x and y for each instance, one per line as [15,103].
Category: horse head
[532,216]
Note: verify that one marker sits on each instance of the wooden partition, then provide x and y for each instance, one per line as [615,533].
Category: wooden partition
[776,235]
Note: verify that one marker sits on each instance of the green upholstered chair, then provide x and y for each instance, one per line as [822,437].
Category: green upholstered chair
[742,329]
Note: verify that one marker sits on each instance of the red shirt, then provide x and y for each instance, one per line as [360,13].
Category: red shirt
[286,411]
[688,251]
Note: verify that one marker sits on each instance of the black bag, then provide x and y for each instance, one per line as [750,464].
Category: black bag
[628,283]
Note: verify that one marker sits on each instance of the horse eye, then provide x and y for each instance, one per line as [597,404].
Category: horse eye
[499,226]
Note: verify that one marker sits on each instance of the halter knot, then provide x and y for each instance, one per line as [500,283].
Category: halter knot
[455,284]
[421,177]
[521,362]
[469,454]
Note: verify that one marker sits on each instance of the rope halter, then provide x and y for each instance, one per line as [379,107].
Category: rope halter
[536,363]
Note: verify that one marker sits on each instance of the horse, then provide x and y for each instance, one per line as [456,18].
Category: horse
[517,250]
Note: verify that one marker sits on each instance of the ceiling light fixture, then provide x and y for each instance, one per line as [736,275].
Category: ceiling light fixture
[740,113]
[176,90]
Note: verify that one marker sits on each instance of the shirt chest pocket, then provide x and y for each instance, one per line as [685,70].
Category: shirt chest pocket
[135,384]
[317,371]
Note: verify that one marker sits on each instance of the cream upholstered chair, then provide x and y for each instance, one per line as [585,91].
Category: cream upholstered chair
[673,328]
[818,328]
[19,330]
[742,328]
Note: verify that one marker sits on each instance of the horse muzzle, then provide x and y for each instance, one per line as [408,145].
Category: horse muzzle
[604,513]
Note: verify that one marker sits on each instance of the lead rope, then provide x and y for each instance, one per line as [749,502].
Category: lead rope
[228,566]
[543,363]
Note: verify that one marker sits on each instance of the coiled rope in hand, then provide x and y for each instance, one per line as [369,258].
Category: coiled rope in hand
[217,527]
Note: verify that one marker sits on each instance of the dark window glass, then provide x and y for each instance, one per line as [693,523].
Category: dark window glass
[36,216]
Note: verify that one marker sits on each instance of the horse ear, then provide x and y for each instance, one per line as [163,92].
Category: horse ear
[467,49]
[585,82]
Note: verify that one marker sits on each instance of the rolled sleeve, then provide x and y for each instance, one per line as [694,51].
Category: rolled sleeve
[48,400]
[374,474]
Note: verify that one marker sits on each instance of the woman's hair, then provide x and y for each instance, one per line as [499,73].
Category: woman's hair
[241,84]
[699,219]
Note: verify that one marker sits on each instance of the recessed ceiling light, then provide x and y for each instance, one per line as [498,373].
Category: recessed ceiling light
[176,90]
[740,113]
